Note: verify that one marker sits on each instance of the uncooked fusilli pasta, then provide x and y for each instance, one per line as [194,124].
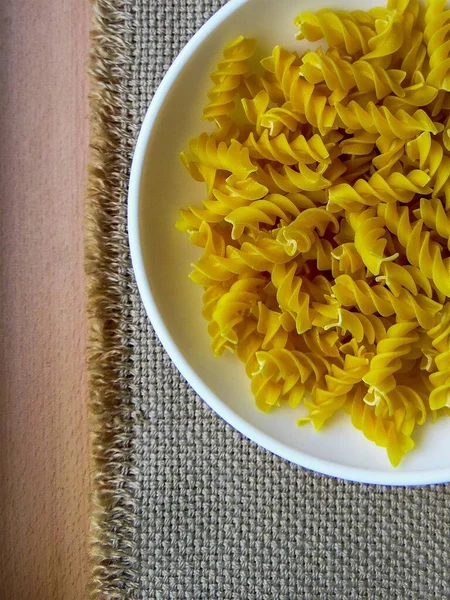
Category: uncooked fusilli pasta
[325,229]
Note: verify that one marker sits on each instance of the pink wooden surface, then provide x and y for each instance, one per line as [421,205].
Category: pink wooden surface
[43,424]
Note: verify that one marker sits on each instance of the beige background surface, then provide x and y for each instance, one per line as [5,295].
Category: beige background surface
[43,425]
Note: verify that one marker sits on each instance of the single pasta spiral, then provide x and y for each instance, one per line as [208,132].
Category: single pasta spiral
[375,119]
[297,235]
[303,179]
[346,259]
[387,360]
[337,28]
[433,214]
[436,35]
[266,211]
[378,190]
[320,342]
[440,379]
[299,94]
[233,307]
[429,156]
[421,250]
[393,432]
[250,342]
[229,195]
[274,325]
[341,76]
[290,296]
[327,400]
[205,153]
[228,77]
[370,240]
[284,375]
[370,328]
[378,299]
[288,152]
[396,277]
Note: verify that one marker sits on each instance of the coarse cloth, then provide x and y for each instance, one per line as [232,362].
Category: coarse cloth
[184,506]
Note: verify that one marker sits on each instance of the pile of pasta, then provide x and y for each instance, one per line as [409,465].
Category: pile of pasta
[326,222]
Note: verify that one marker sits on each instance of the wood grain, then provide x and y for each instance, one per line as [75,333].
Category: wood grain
[43,423]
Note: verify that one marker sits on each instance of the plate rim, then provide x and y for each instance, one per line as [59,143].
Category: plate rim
[298,457]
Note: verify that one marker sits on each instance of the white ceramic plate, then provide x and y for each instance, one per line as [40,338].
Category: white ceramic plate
[159,186]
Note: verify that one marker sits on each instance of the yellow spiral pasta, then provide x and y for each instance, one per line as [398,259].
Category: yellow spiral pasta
[338,28]
[433,214]
[206,156]
[390,426]
[297,235]
[421,250]
[440,378]
[341,76]
[377,189]
[387,360]
[286,151]
[437,27]
[306,100]
[378,299]
[324,230]
[283,375]
[345,258]
[380,120]
[274,325]
[396,277]
[233,307]
[250,342]
[290,296]
[370,240]
[428,155]
[266,211]
[228,77]
[370,328]
[339,383]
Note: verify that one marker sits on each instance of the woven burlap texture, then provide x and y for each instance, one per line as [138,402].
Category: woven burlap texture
[185,507]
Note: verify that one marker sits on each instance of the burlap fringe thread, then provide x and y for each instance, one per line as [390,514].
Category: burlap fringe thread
[113,559]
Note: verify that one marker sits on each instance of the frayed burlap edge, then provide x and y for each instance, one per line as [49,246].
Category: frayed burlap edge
[113,557]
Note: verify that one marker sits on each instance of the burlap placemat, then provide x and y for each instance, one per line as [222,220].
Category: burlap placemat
[185,507]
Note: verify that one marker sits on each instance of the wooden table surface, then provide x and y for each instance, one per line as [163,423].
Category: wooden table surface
[43,423]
